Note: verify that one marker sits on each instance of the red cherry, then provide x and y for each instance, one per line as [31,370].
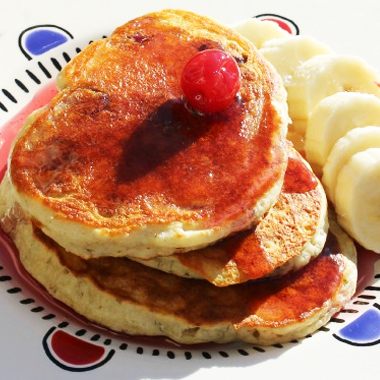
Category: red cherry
[210,80]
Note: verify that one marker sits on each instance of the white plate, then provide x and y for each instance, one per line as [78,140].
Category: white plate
[42,340]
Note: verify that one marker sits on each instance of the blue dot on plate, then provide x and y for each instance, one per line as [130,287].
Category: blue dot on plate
[40,41]
[365,329]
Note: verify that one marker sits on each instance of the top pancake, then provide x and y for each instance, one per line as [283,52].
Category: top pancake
[117,164]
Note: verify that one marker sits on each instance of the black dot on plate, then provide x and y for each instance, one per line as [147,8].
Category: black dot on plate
[80,332]
[337,320]
[206,355]
[27,301]
[44,70]
[14,290]
[21,85]
[361,303]
[37,309]
[2,107]
[48,317]
[95,337]
[9,95]
[123,346]
[170,355]
[349,311]
[367,297]
[33,77]
[66,57]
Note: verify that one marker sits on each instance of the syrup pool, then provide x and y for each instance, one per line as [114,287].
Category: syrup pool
[9,131]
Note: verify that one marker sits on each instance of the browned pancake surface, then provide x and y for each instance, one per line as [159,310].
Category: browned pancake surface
[128,297]
[271,303]
[118,147]
[294,229]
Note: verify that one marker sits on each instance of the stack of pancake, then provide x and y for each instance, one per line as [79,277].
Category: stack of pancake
[151,219]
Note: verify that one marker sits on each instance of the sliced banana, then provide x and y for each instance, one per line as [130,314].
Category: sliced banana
[325,75]
[332,118]
[357,201]
[354,141]
[287,53]
[259,31]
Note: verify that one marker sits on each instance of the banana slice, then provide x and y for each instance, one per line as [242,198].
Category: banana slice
[325,75]
[259,31]
[354,141]
[332,118]
[287,53]
[357,198]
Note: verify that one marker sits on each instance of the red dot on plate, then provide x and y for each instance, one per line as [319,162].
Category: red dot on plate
[282,24]
[75,351]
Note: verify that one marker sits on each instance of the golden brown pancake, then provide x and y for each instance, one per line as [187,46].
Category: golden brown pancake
[292,233]
[131,298]
[118,165]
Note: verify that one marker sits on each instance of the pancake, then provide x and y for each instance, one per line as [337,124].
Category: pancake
[292,233]
[130,298]
[117,164]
